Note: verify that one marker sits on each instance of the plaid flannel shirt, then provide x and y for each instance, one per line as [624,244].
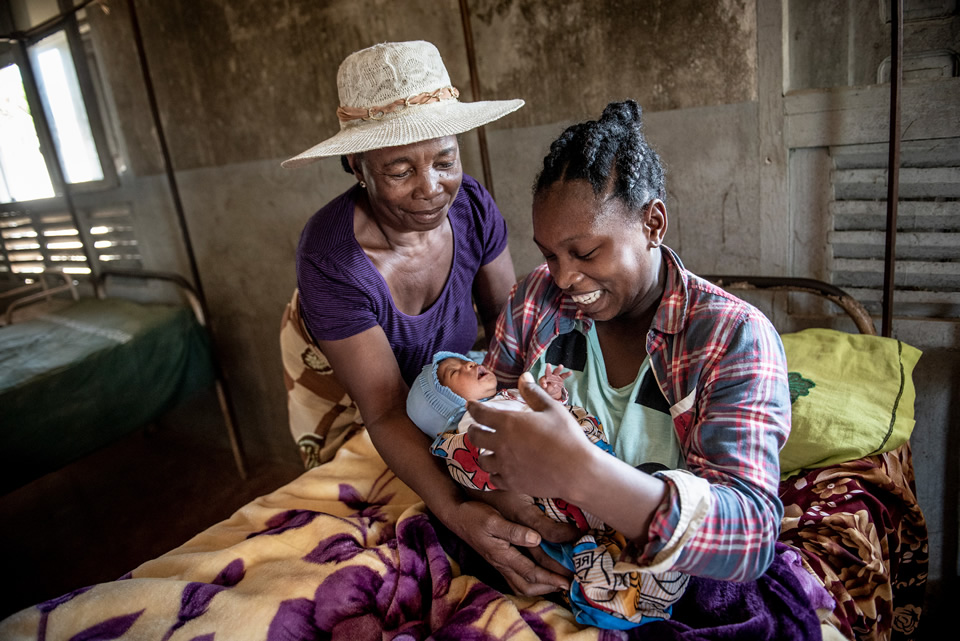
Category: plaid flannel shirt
[720,364]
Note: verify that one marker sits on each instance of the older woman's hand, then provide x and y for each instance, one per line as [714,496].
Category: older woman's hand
[520,508]
[534,453]
[497,540]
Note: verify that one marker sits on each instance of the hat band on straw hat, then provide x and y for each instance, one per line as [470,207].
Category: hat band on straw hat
[398,93]
[347,114]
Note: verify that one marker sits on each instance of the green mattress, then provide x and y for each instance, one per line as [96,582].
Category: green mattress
[75,380]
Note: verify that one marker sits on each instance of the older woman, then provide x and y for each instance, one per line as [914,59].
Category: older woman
[678,370]
[387,275]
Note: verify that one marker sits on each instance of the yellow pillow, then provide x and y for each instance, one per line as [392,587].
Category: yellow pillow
[852,396]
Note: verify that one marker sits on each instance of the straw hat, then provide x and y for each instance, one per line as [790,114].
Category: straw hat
[397,93]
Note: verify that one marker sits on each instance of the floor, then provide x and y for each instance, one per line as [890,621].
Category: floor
[101,517]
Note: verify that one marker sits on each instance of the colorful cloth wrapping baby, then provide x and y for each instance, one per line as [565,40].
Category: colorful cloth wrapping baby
[604,593]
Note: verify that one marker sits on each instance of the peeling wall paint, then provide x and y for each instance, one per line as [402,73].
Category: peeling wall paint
[569,59]
[253,79]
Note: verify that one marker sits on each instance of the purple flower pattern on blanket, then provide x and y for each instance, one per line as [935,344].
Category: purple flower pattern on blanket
[112,628]
[52,604]
[406,600]
[197,596]
[49,606]
[409,597]
[368,563]
[368,508]
[289,520]
[402,601]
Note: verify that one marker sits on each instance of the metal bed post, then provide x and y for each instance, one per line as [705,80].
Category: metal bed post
[223,396]
[475,89]
[893,169]
[199,311]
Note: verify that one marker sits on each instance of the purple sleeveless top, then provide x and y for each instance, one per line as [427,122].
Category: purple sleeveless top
[343,294]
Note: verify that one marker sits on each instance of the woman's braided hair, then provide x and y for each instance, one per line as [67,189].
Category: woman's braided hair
[594,149]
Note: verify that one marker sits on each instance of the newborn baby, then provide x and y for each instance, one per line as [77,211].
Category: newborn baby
[603,593]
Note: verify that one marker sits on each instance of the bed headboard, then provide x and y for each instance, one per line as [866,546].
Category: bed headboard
[856,311]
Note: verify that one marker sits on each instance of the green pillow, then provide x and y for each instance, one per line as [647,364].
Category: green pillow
[852,396]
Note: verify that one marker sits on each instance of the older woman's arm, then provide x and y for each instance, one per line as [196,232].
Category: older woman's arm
[366,367]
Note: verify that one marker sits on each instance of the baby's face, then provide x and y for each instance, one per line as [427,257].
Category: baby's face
[471,381]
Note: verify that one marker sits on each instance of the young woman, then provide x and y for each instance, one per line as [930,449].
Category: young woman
[678,370]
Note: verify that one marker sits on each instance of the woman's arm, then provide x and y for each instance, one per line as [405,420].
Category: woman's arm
[491,286]
[736,428]
[367,368]
[546,453]
[737,424]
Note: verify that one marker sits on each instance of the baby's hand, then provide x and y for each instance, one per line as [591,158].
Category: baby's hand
[552,381]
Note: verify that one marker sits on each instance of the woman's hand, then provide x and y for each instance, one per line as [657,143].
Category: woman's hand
[496,540]
[520,508]
[545,453]
[530,452]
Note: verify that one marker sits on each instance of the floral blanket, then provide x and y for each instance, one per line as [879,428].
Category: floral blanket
[860,528]
[347,551]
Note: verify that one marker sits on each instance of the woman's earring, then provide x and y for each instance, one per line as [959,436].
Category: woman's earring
[363,185]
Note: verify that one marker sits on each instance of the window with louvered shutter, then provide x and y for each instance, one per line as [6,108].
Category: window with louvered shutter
[34,241]
[927,273]
[54,139]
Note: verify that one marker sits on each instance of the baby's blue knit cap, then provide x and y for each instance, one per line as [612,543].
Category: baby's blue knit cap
[433,407]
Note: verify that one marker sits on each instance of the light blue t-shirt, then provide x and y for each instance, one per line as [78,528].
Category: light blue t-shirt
[635,418]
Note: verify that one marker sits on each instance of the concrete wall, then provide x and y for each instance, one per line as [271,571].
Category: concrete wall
[243,84]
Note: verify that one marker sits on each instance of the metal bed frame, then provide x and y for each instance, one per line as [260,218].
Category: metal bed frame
[857,312]
[99,283]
